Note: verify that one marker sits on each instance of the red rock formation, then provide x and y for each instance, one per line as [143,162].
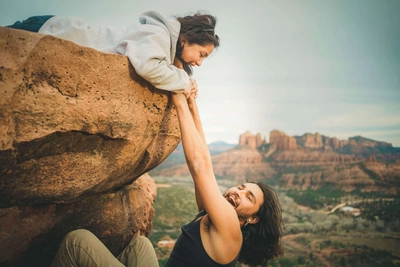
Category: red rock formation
[365,142]
[236,164]
[282,141]
[387,173]
[318,160]
[317,141]
[250,140]
[347,178]
[312,140]
[240,164]
[259,140]
[357,144]
[334,143]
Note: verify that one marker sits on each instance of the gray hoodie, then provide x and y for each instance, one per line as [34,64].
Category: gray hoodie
[150,46]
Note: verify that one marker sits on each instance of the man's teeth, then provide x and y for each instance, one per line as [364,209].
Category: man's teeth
[232,201]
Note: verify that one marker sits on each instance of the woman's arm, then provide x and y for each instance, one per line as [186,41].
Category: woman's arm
[151,50]
[151,61]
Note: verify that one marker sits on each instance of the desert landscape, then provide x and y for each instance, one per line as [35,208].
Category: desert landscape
[339,198]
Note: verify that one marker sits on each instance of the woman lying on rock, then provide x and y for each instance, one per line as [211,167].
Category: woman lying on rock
[162,50]
[243,225]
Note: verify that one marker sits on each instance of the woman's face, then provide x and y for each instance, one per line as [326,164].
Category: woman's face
[193,54]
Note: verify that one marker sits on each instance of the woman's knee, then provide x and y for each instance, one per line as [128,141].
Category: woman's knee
[142,241]
[32,24]
[141,244]
[79,236]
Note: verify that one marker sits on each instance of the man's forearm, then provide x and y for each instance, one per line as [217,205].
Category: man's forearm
[194,111]
[196,150]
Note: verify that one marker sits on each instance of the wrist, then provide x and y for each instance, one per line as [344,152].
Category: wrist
[192,104]
[179,99]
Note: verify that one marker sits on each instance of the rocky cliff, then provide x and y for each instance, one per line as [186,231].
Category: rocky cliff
[250,140]
[77,130]
[310,161]
[281,141]
[317,161]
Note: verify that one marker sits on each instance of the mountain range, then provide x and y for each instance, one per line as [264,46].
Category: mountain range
[310,161]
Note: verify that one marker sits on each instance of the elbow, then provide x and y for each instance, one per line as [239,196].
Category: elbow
[193,167]
[150,75]
[199,165]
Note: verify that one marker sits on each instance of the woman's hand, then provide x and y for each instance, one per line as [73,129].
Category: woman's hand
[192,89]
[195,89]
[191,100]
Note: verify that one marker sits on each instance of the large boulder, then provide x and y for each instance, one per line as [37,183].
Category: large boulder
[31,235]
[77,127]
[73,121]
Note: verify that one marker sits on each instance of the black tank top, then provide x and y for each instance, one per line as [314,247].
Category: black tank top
[189,251]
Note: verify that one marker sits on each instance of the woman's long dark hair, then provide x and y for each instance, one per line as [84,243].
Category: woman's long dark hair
[196,29]
[262,241]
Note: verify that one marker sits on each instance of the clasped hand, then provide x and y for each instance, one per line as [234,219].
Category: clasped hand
[189,95]
[192,90]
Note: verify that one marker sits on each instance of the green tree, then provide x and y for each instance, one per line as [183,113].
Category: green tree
[285,262]
[342,262]
[301,260]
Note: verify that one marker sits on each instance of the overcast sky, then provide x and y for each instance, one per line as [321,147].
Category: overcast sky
[302,66]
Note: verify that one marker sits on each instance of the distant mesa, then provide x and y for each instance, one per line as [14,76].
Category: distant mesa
[253,141]
[281,141]
[278,140]
[310,161]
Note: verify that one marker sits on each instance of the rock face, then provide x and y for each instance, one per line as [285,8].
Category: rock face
[236,164]
[31,235]
[253,141]
[75,125]
[241,164]
[354,145]
[282,141]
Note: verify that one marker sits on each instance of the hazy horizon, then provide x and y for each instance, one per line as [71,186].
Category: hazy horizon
[267,138]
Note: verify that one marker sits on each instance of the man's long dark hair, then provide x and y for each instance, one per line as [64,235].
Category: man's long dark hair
[196,29]
[262,241]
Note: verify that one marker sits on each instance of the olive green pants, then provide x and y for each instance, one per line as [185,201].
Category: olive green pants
[81,248]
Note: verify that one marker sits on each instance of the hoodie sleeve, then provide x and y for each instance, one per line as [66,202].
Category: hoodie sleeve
[149,50]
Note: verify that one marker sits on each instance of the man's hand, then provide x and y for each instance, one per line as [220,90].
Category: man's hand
[178,99]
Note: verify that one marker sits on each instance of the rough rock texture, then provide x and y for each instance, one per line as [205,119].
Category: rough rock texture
[76,127]
[74,122]
[31,235]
